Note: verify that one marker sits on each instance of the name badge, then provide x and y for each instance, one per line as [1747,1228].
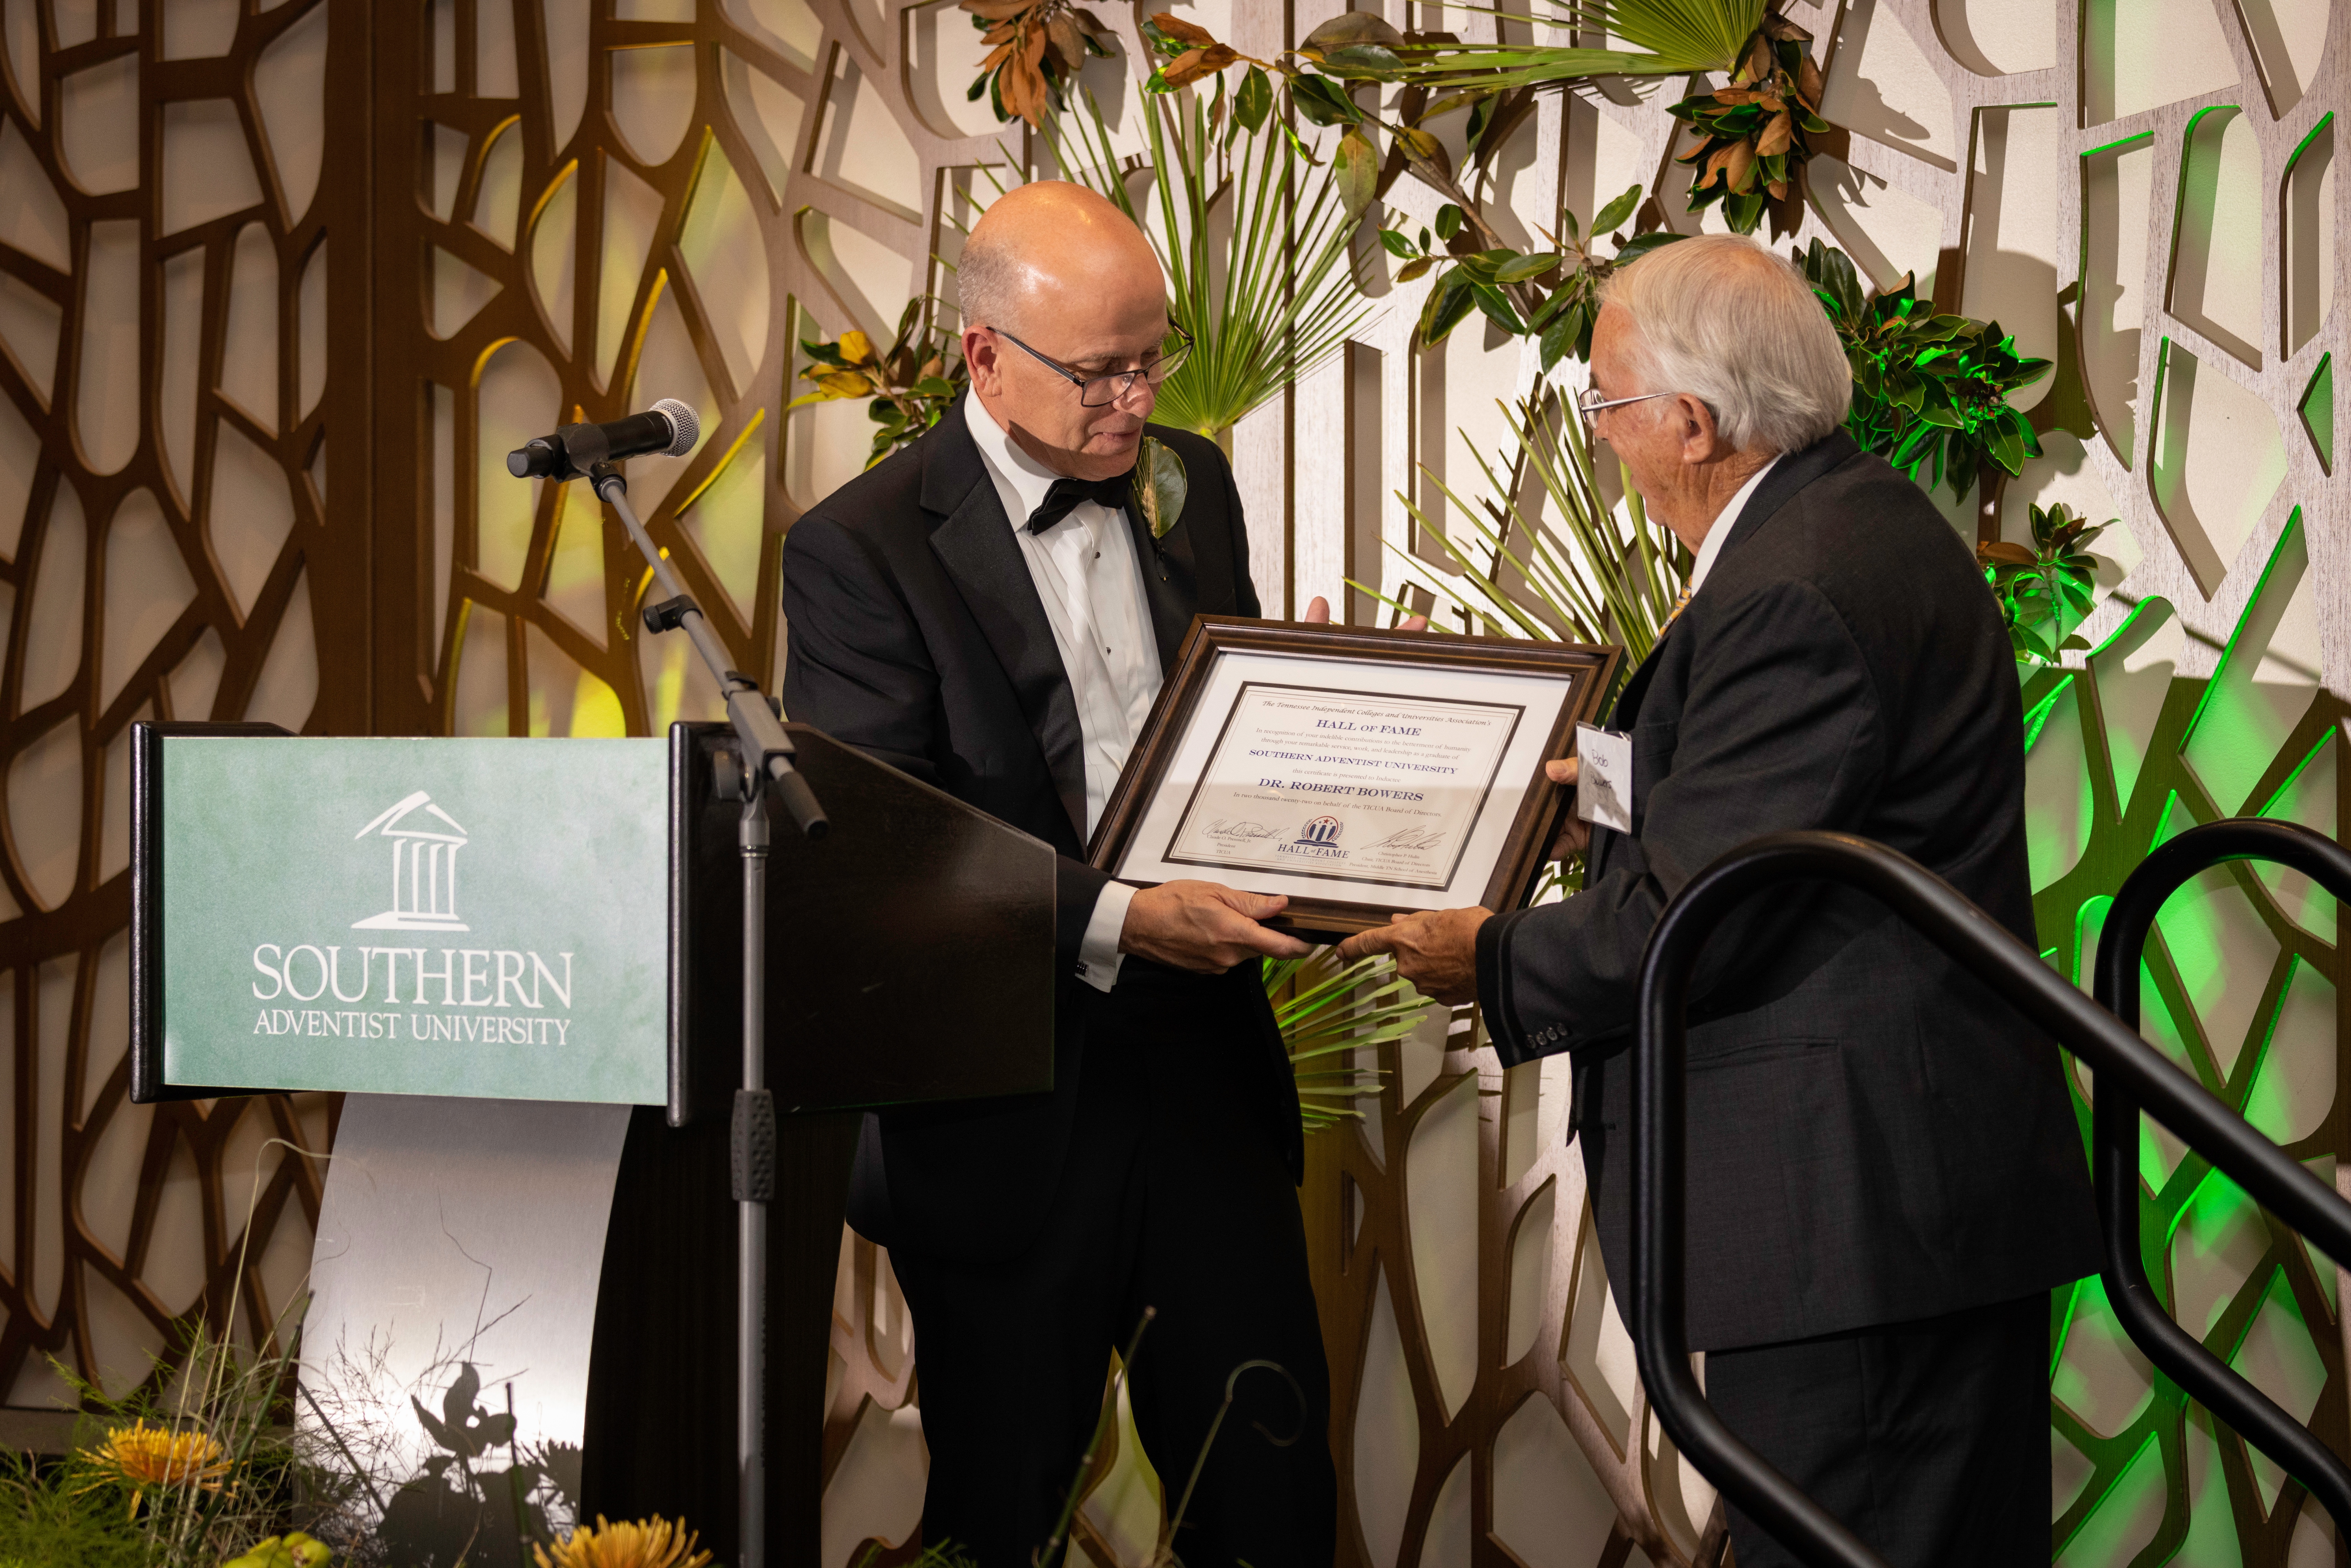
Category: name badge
[1604,780]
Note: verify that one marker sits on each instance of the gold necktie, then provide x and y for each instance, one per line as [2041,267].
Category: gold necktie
[1680,604]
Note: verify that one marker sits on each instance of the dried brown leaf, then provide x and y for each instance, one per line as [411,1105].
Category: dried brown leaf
[1183,32]
[1777,134]
[1192,64]
[1741,167]
[1068,41]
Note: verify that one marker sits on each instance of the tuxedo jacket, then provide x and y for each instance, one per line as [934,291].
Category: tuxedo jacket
[915,633]
[1874,1136]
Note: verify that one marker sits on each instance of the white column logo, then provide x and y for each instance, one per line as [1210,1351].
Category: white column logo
[424,868]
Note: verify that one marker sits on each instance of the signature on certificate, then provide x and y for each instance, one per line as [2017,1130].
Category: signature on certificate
[1227,832]
[1410,838]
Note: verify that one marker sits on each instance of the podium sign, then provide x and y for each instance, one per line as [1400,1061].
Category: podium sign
[406,916]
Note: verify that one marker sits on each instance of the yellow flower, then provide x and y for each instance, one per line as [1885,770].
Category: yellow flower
[649,1544]
[294,1550]
[139,1457]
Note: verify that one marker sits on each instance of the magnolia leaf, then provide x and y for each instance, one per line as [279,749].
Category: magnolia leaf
[855,346]
[1610,217]
[1396,243]
[1183,32]
[1159,486]
[1254,101]
[1364,62]
[1192,64]
[1348,28]
[1322,103]
[1640,245]
[1449,302]
[1525,267]
[1416,268]
[2001,551]
[1448,221]
[1355,168]
[1498,308]
[1420,146]
[1560,337]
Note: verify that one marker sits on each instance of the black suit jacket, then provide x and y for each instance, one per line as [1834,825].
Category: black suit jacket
[918,635]
[1873,1137]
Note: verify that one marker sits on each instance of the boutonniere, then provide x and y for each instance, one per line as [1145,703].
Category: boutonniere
[1159,486]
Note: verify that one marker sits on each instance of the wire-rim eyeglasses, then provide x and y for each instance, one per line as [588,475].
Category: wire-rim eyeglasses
[1115,384]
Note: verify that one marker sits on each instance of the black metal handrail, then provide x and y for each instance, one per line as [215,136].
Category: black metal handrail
[1986,950]
[2114,1135]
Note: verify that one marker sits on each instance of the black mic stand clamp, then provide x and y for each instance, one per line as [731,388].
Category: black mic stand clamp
[765,762]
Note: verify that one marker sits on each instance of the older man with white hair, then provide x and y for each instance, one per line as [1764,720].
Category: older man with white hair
[1885,1180]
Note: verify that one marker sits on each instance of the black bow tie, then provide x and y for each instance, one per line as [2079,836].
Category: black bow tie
[1067,494]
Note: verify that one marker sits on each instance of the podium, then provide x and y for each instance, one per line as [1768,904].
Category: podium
[572,1242]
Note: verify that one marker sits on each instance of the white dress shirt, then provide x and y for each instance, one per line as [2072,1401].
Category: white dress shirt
[1086,572]
[1718,533]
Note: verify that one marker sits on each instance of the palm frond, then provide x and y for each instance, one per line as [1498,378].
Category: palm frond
[1669,38]
[1324,1008]
[1271,303]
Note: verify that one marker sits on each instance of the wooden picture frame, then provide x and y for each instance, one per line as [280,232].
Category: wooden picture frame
[1232,671]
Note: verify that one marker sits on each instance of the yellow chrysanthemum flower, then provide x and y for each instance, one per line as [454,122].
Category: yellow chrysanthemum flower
[141,1457]
[648,1544]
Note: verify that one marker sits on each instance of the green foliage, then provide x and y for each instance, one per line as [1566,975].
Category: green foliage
[910,385]
[1277,298]
[43,1521]
[1753,133]
[1325,1008]
[1560,287]
[1929,391]
[2045,591]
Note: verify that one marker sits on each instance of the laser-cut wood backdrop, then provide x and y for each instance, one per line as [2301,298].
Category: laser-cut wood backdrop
[236,481]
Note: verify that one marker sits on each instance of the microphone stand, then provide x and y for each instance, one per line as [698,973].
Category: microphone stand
[767,753]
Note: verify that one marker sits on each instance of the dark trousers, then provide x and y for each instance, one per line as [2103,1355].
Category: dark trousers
[1930,1439]
[1174,1198]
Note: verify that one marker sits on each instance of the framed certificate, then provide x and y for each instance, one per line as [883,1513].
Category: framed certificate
[1357,771]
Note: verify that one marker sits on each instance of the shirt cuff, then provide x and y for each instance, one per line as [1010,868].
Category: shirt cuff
[1098,954]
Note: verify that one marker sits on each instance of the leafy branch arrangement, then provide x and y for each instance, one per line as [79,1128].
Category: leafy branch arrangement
[1756,133]
[1036,48]
[910,385]
[1929,391]
[2045,592]
[1553,296]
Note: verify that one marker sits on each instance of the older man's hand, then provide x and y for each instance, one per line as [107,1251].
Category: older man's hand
[1435,949]
[1575,833]
[1318,614]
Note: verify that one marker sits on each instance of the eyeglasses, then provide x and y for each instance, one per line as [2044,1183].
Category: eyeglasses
[1101,392]
[1590,401]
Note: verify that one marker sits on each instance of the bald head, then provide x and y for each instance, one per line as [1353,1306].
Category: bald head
[1045,242]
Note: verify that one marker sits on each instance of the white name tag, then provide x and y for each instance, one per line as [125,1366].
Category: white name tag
[1603,779]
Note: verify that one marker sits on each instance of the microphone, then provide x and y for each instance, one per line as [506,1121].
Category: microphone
[669,428]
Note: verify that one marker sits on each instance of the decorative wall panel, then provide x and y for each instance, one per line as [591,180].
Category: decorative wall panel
[176,273]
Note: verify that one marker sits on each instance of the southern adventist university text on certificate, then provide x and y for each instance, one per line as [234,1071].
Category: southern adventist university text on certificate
[1344,785]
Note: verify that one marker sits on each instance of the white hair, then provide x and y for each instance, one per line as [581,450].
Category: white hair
[990,275]
[1739,329]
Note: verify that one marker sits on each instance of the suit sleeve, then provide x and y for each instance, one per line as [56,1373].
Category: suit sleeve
[854,663]
[1781,730]
[856,668]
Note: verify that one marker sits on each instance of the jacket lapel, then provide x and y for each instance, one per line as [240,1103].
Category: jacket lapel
[984,559]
